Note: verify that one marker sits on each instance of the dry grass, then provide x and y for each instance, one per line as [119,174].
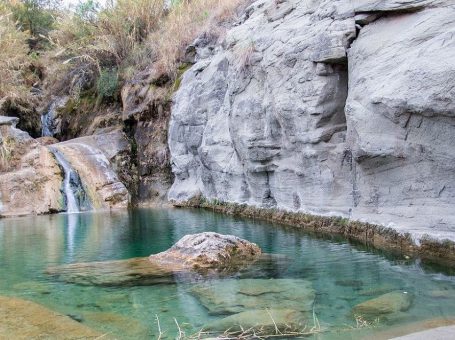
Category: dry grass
[127,37]
[183,24]
[13,56]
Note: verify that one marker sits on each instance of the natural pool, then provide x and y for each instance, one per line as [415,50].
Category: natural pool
[341,274]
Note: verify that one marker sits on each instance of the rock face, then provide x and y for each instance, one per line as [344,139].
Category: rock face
[328,107]
[21,319]
[146,111]
[93,158]
[30,178]
[206,251]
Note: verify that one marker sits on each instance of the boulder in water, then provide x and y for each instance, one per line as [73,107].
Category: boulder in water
[208,250]
[193,254]
[390,303]
[235,296]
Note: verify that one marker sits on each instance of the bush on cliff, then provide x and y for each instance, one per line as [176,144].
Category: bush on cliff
[81,46]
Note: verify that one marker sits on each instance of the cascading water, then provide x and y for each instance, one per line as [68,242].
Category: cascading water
[47,121]
[75,196]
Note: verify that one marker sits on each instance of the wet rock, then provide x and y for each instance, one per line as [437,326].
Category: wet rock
[209,250]
[260,321]
[132,272]
[21,319]
[390,303]
[377,290]
[442,293]
[76,317]
[349,283]
[235,296]
[120,326]
[197,254]
[93,158]
[32,287]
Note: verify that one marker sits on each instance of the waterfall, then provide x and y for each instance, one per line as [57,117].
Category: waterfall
[47,121]
[75,196]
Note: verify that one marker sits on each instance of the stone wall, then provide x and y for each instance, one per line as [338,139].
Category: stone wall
[328,107]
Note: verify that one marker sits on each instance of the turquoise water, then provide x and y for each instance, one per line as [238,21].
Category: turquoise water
[342,274]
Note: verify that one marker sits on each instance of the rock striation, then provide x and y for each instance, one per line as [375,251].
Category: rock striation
[328,107]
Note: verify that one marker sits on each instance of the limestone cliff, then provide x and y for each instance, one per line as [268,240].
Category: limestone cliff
[330,107]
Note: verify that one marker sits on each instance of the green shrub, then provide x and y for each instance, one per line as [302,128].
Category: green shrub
[34,16]
[107,85]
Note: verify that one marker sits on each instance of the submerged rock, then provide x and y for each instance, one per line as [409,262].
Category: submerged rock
[21,319]
[132,272]
[32,287]
[193,255]
[260,321]
[390,303]
[209,250]
[118,324]
[349,283]
[235,296]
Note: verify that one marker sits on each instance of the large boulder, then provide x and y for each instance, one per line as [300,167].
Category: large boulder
[207,251]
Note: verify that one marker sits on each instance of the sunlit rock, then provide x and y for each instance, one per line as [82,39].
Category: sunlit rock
[206,251]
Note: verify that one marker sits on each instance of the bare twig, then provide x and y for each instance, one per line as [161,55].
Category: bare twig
[277,331]
[159,327]
[181,333]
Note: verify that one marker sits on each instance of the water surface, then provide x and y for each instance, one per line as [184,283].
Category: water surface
[340,272]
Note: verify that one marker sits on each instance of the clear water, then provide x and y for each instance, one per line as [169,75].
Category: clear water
[31,244]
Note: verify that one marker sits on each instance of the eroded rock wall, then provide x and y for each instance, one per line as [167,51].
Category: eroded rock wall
[30,177]
[328,107]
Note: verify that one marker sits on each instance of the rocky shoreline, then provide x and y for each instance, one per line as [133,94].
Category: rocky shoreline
[380,237]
